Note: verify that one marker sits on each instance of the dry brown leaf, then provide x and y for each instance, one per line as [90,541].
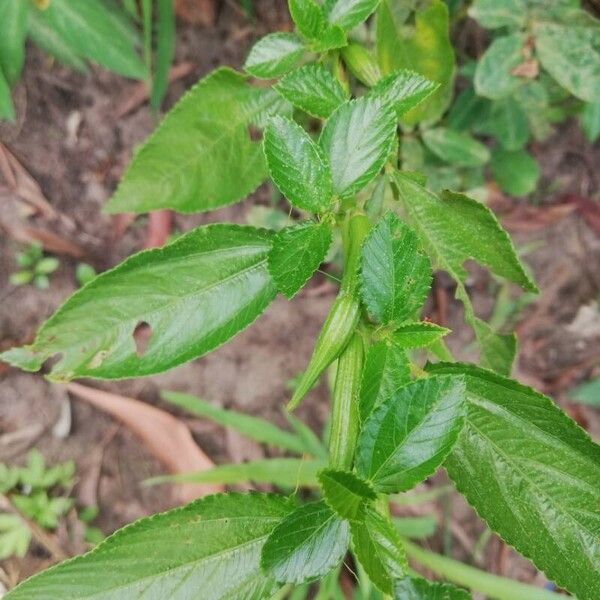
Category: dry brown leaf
[165,436]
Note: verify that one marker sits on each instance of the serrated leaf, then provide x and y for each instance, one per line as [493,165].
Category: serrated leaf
[347,14]
[345,493]
[379,549]
[570,52]
[395,276]
[296,254]
[181,165]
[255,428]
[331,37]
[417,588]
[274,55]
[456,147]
[297,165]
[403,90]
[357,140]
[214,280]
[208,549]
[418,335]
[7,110]
[313,89]
[532,474]
[493,76]
[386,370]
[13,30]
[516,173]
[308,17]
[454,228]
[493,14]
[282,472]
[424,47]
[409,436]
[96,34]
[306,545]
[43,34]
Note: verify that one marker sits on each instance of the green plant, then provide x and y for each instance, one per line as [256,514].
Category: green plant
[76,31]
[397,415]
[35,267]
[34,492]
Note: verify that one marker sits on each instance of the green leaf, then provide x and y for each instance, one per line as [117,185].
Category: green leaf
[181,165]
[357,140]
[7,110]
[96,34]
[297,165]
[44,35]
[306,545]
[424,47]
[508,123]
[207,549]
[345,493]
[254,428]
[361,63]
[493,14]
[571,54]
[331,37]
[347,14]
[419,528]
[416,588]
[379,549]
[409,436]
[468,111]
[403,90]
[13,30]
[386,370]
[454,228]
[15,536]
[282,472]
[418,335]
[308,17]
[165,51]
[296,254]
[532,474]
[455,147]
[493,76]
[590,121]
[313,89]
[587,393]
[517,172]
[214,280]
[395,276]
[274,55]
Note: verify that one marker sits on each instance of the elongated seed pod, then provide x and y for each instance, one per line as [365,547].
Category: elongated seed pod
[345,417]
[335,334]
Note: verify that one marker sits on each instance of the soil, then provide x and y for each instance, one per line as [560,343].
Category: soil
[68,138]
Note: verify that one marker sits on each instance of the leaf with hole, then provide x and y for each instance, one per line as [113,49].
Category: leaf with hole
[346,493]
[394,275]
[306,545]
[207,549]
[313,89]
[180,166]
[357,140]
[408,437]
[532,474]
[215,279]
[297,165]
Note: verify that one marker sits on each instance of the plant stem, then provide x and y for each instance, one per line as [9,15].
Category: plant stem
[499,588]
[344,416]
